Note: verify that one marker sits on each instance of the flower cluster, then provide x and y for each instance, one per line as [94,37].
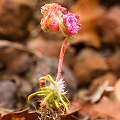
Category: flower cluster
[70,22]
[52,17]
[50,97]
[56,18]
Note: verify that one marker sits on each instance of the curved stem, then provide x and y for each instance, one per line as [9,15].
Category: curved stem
[49,79]
[45,88]
[63,48]
[31,95]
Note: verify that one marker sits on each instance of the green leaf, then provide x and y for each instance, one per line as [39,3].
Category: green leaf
[66,107]
[56,103]
[66,98]
[46,88]
[39,92]
[47,97]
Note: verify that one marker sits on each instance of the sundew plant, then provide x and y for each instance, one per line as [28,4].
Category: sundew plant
[52,104]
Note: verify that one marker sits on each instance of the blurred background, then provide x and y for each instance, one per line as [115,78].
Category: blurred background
[91,68]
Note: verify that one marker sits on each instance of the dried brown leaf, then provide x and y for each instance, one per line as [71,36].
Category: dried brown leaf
[86,8]
[117,90]
[70,116]
[9,49]
[25,115]
[4,111]
[89,39]
[22,115]
[90,12]
[105,109]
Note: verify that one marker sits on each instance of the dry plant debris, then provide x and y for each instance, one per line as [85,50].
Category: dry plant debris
[26,115]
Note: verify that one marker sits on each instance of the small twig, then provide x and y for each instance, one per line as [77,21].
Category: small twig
[21,47]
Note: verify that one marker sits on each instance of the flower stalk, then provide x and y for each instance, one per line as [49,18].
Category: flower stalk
[63,48]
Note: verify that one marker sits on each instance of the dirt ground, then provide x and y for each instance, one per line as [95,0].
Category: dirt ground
[91,69]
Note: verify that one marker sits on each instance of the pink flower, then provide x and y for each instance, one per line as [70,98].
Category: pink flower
[50,21]
[71,25]
[52,16]
[54,6]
